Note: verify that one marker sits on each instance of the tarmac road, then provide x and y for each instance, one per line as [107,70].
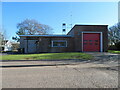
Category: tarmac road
[84,75]
[102,72]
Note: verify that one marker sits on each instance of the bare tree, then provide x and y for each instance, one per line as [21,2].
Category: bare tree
[114,34]
[3,35]
[31,27]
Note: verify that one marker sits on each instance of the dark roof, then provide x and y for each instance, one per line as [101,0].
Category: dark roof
[85,25]
[88,25]
[45,35]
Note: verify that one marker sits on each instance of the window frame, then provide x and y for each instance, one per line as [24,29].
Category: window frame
[59,41]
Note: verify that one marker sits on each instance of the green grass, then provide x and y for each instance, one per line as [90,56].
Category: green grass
[113,51]
[50,56]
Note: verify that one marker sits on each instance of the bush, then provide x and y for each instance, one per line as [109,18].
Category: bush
[117,45]
[21,50]
[15,46]
[112,47]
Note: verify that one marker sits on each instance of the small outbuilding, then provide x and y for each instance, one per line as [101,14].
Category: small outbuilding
[81,38]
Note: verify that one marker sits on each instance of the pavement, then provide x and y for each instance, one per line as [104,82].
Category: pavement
[102,72]
[67,76]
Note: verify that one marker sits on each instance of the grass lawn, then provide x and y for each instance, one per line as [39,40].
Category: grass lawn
[113,51]
[50,56]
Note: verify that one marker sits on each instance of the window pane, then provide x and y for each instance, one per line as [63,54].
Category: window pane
[55,44]
[90,40]
[62,43]
[90,43]
[96,43]
[59,43]
[85,43]
[85,40]
[96,40]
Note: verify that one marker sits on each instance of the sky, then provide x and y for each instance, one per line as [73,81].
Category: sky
[56,13]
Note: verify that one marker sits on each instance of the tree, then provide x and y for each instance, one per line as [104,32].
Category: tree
[32,27]
[3,35]
[3,41]
[114,36]
[16,38]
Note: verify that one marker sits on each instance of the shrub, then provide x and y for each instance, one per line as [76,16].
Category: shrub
[117,45]
[112,47]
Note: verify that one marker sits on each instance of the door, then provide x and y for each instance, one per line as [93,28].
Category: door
[32,46]
[91,42]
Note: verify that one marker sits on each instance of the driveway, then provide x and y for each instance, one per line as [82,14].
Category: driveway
[102,72]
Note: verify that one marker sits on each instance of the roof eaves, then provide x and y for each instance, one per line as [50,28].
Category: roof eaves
[45,35]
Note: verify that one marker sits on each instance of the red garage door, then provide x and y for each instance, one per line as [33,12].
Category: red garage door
[91,42]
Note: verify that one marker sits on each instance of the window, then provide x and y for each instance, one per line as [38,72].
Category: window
[59,43]
[90,40]
[96,43]
[90,43]
[96,40]
[85,43]
[85,40]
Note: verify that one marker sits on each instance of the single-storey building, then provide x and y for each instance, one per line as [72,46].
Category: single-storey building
[81,38]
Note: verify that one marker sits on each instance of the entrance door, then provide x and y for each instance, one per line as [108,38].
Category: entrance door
[32,47]
[91,42]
